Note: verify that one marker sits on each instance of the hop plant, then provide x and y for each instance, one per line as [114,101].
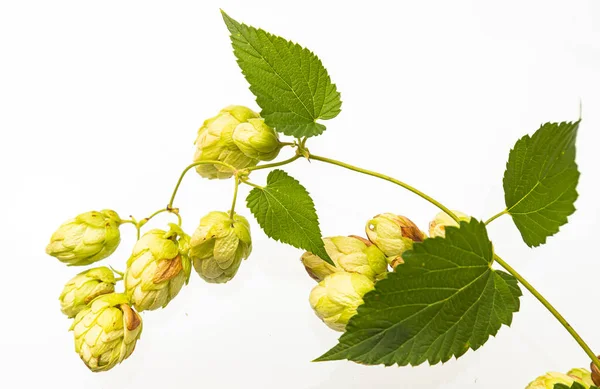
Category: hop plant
[158,268]
[437,227]
[88,238]
[447,298]
[85,287]
[219,140]
[336,298]
[548,380]
[218,246]
[393,234]
[106,332]
[351,254]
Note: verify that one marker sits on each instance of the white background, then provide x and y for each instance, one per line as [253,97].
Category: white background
[99,106]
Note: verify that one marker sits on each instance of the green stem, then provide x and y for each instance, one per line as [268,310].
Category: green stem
[275,164]
[387,178]
[135,223]
[252,185]
[496,216]
[235,192]
[552,310]
[174,211]
[190,167]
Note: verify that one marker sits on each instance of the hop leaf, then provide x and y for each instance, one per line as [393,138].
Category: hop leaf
[290,83]
[540,181]
[286,213]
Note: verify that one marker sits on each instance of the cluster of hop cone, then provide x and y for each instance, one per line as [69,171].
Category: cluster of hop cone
[360,263]
[106,325]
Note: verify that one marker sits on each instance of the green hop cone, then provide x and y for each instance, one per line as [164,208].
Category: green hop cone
[548,380]
[106,332]
[257,140]
[85,287]
[336,298]
[581,375]
[393,234]
[158,268]
[215,143]
[218,246]
[86,239]
[350,254]
[437,227]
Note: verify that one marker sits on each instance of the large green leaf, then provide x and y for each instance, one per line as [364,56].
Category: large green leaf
[540,181]
[286,213]
[442,301]
[290,83]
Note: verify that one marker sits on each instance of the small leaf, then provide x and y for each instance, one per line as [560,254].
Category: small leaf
[540,181]
[290,83]
[444,300]
[286,213]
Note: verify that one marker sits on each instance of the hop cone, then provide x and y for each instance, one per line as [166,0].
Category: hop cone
[215,143]
[86,239]
[158,268]
[257,140]
[218,246]
[437,227]
[336,298]
[85,287]
[393,234]
[106,332]
[581,375]
[351,254]
[548,380]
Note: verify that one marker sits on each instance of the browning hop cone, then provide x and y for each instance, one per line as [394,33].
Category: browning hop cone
[158,268]
[106,332]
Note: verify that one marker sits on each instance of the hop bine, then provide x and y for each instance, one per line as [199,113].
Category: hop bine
[106,332]
[158,268]
[88,238]
[350,254]
[237,136]
[85,287]
[219,245]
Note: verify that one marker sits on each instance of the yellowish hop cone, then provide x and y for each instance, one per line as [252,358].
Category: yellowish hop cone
[236,136]
[106,332]
[88,238]
[85,287]
[336,298]
[219,245]
[437,227]
[582,375]
[257,140]
[158,268]
[350,254]
[394,235]
[548,380]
